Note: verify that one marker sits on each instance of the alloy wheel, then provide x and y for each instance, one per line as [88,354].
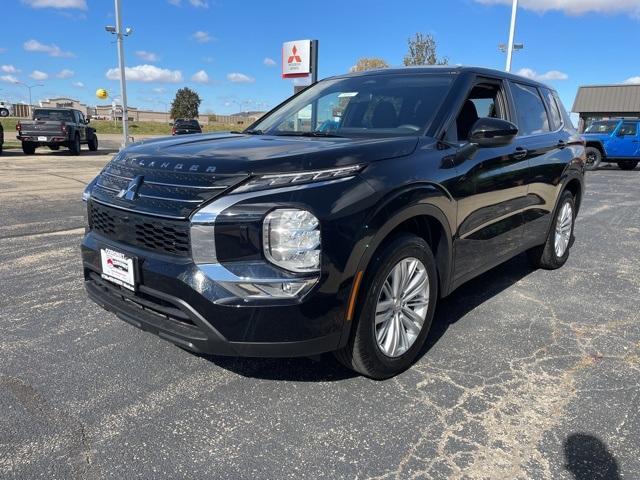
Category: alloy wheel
[402,307]
[564,224]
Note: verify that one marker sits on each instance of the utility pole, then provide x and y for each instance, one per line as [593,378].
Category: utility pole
[512,34]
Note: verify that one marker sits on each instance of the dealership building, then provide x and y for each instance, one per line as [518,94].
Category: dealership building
[599,102]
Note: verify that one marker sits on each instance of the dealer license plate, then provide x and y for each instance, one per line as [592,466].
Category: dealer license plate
[118,268]
[42,139]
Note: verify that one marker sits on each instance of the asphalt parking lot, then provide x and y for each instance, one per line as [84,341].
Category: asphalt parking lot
[527,374]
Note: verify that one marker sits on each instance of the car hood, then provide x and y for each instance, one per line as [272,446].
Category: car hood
[173,177]
[228,153]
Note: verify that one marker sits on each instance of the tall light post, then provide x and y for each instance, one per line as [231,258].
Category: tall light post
[29,87]
[512,34]
[117,31]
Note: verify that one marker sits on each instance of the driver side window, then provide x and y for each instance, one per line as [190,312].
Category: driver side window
[484,101]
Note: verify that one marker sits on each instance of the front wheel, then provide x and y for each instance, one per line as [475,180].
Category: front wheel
[627,164]
[4,112]
[555,252]
[594,157]
[28,148]
[397,304]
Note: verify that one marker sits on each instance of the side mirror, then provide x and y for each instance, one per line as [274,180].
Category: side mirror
[88,121]
[492,132]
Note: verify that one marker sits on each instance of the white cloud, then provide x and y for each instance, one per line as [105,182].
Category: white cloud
[147,56]
[77,4]
[9,78]
[175,3]
[38,75]
[200,77]
[574,7]
[543,77]
[236,77]
[51,50]
[78,84]
[269,62]
[65,73]
[632,81]
[146,73]
[202,37]
[9,69]
[159,90]
[2,50]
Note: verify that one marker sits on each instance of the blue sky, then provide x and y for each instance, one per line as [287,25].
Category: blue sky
[225,48]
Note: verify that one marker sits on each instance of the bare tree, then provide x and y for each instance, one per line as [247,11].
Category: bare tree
[423,51]
[368,63]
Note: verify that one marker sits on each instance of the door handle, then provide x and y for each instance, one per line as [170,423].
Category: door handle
[520,153]
[561,144]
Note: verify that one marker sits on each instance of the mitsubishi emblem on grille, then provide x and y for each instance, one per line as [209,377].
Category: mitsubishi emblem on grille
[131,192]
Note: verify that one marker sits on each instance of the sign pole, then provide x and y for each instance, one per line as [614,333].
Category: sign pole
[512,34]
[314,61]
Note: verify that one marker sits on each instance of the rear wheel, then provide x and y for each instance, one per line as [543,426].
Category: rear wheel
[93,143]
[627,164]
[555,252]
[397,305]
[28,148]
[74,148]
[594,157]
[4,112]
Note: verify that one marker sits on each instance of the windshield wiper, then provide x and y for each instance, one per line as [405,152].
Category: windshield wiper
[308,134]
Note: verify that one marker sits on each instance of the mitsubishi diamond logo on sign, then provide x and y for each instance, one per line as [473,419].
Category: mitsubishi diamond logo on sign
[296,59]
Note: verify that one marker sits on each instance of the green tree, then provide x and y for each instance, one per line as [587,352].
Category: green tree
[368,63]
[423,51]
[186,104]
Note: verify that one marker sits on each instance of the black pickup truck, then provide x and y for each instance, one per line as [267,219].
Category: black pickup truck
[55,127]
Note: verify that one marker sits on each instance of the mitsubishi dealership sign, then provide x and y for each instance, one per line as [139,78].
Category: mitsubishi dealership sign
[299,58]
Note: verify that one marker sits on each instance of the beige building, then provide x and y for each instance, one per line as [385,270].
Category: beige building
[64,102]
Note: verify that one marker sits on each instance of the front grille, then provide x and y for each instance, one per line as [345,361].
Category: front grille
[143,231]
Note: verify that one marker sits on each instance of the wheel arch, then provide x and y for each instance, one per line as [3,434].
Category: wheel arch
[598,145]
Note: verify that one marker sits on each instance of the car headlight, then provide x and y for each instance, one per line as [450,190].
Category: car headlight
[274,180]
[291,239]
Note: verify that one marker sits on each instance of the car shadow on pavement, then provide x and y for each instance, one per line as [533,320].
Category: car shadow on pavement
[13,152]
[474,293]
[588,458]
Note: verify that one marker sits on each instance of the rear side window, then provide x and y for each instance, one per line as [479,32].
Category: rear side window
[531,113]
[628,129]
[554,110]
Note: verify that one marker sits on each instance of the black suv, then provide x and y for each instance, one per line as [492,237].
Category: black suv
[185,127]
[337,221]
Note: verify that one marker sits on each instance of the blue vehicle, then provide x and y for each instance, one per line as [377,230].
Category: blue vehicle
[613,141]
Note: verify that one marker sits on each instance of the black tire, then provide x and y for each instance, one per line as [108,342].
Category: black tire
[74,148]
[544,256]
[594,157]
[55,148]
[28,148]
[362,352]
[93,143]
[0,149]
[4,112]
[627,164]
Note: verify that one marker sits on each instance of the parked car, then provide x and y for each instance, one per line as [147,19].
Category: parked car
[5,109]
[614,141]
[184,126]
[287,240]
[56,127]
[1,138]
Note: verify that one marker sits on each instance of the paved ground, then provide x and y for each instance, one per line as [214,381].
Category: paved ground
[528,374]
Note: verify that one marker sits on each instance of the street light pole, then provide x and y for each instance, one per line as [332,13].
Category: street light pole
[29,87]
[512,34]
[123,80]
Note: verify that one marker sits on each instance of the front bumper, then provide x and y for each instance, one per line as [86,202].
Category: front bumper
[177,302]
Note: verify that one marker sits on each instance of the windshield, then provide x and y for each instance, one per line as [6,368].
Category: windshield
[602,127]
[390,104]
[56,115]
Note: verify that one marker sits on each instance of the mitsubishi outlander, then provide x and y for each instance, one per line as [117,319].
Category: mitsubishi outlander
[337,221]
